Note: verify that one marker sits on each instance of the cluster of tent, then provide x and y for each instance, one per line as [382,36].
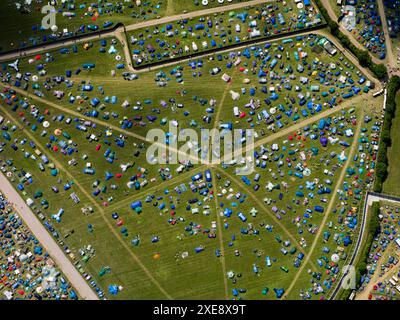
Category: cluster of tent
[362,18]
[281,83]
[77,17]
[186,37]
[380,262]
[198,194]
[21,251]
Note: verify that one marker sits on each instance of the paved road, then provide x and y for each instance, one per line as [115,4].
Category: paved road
[374,197]
[46,240]
[294,127]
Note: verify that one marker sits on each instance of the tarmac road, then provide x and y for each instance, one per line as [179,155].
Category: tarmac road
[50,245]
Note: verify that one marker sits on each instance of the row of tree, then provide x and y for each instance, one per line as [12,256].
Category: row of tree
[372,231]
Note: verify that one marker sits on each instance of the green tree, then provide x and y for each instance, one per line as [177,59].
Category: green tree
[364,58]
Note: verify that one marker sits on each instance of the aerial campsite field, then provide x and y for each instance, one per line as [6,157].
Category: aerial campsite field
[74,143]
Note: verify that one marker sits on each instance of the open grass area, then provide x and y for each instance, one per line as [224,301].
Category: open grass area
[396,49]
[338,238]
[314,81]
[336,8]
[22,27]
[74,138]
[363,21]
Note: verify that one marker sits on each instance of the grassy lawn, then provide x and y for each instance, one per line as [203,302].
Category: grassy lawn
[396,49]
[23,29]
[367,28]
[347,207]
[391,184]
[152,253]
[187,87]
[322,99]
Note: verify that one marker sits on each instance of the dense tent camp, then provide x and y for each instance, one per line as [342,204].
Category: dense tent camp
[22,251]
[216,149]
[362,19]
[187,36]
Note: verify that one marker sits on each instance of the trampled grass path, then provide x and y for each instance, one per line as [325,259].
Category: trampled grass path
[97,121]
[331,203]
[99,208]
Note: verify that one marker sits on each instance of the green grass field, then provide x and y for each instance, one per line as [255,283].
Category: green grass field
[196,87]
[152,253]
[390,186]
[395,48]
